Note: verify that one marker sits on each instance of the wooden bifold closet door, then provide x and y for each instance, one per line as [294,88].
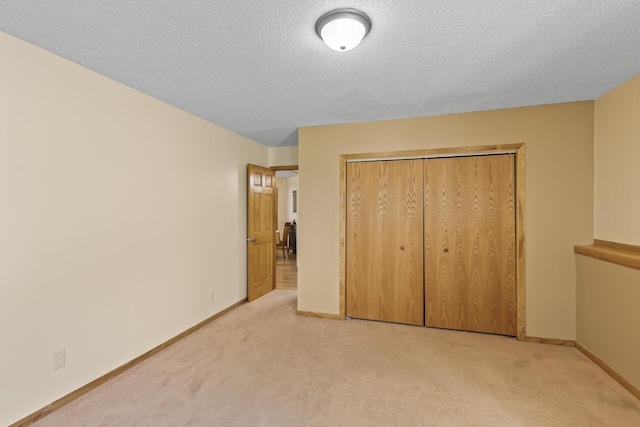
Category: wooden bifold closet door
[432,242]
[469,240]
[384,241]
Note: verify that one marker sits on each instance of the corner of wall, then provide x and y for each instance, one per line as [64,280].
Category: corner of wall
[283,156]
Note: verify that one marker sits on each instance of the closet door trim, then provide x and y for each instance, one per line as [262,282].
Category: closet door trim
[520,153]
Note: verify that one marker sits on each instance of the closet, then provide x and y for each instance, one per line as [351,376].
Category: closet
[432,242]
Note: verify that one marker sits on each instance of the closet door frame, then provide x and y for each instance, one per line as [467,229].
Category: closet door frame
[517,149]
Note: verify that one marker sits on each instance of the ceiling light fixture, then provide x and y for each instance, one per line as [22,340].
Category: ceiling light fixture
[343,29]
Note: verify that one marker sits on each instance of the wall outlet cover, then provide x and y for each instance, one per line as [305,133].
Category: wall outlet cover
[59,359]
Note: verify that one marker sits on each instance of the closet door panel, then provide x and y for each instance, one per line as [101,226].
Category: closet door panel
[469,243]
[384,269]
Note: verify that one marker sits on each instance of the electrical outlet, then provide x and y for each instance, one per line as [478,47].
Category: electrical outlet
[212,295]
[59,359]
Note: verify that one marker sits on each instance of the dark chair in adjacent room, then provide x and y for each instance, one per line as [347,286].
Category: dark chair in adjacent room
[284,243]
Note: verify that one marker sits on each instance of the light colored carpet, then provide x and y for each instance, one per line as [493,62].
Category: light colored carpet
[261,365]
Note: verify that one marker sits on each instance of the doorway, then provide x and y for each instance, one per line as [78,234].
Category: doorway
[286,217]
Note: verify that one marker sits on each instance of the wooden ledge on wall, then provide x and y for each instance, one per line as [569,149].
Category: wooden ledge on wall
[617,253]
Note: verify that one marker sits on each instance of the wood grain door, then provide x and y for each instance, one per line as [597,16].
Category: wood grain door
[384,241]
[260,231]
[469,243]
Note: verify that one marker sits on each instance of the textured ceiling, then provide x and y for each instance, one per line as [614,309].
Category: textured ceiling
[258,68]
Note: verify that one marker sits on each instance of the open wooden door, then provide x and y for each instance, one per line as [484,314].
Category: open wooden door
[261,184]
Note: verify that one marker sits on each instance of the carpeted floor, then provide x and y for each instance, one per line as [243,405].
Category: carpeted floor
[261,365]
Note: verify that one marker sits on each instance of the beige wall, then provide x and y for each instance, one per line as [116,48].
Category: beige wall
[608,319]
[608,315]
[617,164]
[559,197]
[283,156]
[118,214]
[286,186]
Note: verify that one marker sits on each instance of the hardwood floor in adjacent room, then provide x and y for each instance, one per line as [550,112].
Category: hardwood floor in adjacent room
[286,272]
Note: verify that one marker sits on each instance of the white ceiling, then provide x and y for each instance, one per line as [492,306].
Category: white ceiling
[258,68]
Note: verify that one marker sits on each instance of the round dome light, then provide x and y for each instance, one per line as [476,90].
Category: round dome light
[343,29]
